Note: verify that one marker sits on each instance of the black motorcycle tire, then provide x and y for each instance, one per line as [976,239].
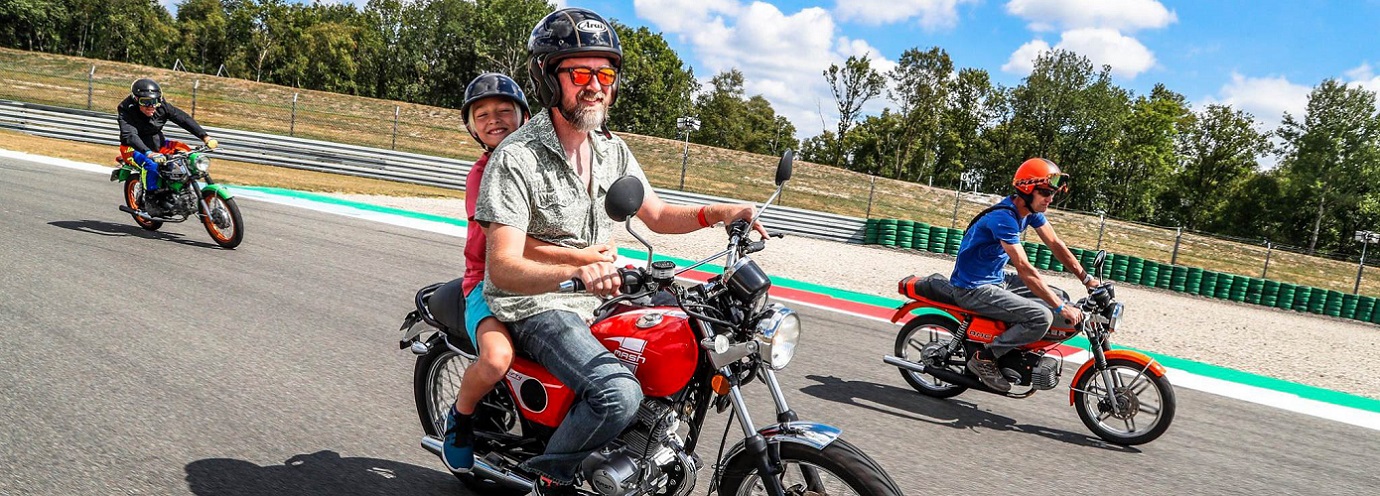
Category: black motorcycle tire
[423,379]
[1090,418]
[850,464]
[900,351]
[236,222]
[131,189]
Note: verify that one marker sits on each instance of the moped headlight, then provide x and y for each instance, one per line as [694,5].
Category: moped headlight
[202,162]
[1114,316]
[777,336]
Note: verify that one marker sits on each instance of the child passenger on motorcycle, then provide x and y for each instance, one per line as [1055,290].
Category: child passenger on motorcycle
[494,107]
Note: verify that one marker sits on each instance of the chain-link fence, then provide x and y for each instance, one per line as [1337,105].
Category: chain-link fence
[234,103]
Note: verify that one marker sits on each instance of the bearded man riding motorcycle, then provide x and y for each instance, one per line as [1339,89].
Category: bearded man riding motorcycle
[548,181]
[141,117]
[993,239]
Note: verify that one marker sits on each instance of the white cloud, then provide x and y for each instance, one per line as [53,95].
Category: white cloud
[1121,15]
[782,56]
[1127,56]
[1365,77]
[933,14]
[1266,98]
[1095,29]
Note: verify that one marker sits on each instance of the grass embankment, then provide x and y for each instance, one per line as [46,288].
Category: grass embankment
[241,104]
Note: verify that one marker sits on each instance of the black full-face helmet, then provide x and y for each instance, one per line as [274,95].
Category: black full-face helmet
[147,93]
[563,34]
[492,84]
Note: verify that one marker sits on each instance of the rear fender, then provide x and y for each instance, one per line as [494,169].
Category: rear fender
[812,434]
[1145,362]
[919,309]
[220,191]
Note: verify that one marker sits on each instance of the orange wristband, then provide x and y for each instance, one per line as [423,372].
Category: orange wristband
[700,215]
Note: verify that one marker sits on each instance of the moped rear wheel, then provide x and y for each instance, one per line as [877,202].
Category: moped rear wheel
[134,199]
[927,334]
[1144,403]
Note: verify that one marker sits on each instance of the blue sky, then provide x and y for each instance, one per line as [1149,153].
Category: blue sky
[1259,56]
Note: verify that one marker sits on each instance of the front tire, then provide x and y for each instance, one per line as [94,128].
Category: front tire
[1147,400]
[134,199]
[843,469]
[222,220]
[923,332]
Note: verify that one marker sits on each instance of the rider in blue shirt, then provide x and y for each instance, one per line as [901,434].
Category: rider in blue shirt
[992,241]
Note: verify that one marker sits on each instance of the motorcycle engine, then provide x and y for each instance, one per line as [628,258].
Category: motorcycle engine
[1045,375]
[647,459]
[174,170]
[185,201]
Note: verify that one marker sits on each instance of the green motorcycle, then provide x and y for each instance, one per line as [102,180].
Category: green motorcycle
[179,196]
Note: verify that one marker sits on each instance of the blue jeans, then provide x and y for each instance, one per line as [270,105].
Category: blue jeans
[607,394]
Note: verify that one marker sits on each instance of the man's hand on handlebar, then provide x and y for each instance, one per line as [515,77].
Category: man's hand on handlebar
[744,211]
[600,279]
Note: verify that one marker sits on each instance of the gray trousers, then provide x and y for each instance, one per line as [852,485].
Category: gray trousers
[1027,316]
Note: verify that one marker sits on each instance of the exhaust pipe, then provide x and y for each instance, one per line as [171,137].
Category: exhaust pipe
[945,375]
[483,470]
[143,215]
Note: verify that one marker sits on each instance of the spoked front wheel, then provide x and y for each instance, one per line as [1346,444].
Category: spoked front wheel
[925,340]
[134,198]
[222,220]
[842,469]
[1135,409]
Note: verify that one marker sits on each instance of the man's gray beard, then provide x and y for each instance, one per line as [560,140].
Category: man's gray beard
[585,119]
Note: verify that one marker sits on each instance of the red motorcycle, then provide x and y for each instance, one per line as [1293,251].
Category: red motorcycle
[691,348]
[1123,396]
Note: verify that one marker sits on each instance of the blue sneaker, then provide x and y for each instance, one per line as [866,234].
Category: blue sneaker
[457,452]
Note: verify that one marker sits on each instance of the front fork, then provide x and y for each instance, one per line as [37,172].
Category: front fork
[768,455]
[1099,346]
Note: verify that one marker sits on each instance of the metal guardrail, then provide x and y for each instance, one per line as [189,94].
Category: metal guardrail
[336,158]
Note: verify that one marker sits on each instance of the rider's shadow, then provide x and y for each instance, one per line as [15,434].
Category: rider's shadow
[958,414]
[104,228]
[318,474]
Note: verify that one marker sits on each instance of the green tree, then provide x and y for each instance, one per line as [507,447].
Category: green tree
[1217,152]
[202,29]
[852,86]
[1145,156]
[655,88]
[920,88]
[730,120]
[1331,157]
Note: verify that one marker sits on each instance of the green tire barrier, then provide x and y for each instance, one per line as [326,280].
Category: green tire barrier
[1332,306]
[1042,256]
[1239,286]
[1179,279]
[1165,277]
[1135,267]
[1193,280]
[1119,264]
[1150,273]
[1269,292]
[1209,286]
[1301,296]
[1349,306]
[1087,258]
[1286,297]
[1224,285]
[938,237]
[955,240]
[1364,306]
[1254,290]
[1375,313]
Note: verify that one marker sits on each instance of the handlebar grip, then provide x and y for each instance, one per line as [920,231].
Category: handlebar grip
[574,285]
[755,247]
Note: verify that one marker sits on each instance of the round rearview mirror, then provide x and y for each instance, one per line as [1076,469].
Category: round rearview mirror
[1101,257]
[624,198]
[783,169]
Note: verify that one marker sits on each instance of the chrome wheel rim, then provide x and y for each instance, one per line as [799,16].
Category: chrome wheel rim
[917,341]
[1139,400]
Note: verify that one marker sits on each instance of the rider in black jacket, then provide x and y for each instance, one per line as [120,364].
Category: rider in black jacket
[141,116]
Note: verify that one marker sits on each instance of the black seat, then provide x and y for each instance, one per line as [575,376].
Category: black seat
[934,287]
[443,305]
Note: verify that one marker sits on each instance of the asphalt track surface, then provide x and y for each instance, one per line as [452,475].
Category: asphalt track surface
[136,362]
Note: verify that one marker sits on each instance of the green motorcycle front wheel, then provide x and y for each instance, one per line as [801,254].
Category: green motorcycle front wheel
[222,220]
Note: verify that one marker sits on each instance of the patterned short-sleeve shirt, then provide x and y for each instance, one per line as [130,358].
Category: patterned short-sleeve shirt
[529,184]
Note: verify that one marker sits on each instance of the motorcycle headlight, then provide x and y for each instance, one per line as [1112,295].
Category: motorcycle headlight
[777,336]
[1114,316]
[201,162]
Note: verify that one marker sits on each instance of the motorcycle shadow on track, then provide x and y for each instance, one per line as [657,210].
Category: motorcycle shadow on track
[958,414]
[104,228]
[317,474]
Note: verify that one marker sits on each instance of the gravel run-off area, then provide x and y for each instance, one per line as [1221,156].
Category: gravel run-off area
[1310,349]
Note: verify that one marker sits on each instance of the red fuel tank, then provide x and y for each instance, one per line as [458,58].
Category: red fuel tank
[657,344]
